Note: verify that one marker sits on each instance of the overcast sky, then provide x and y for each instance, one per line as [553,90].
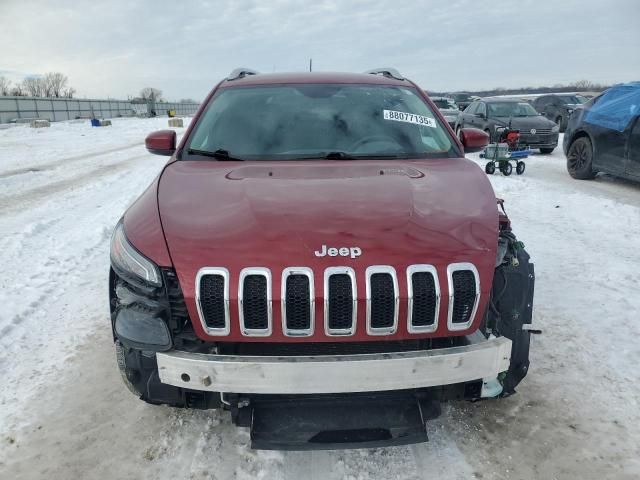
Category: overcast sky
[116,47]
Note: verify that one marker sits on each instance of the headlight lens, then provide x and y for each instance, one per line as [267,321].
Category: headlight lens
[555,129]
[127,259]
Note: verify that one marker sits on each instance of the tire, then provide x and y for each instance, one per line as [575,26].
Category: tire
[547,151]
[580,159]
[506,169]
[490,168]
[126,373]
[520,167]
[488,132]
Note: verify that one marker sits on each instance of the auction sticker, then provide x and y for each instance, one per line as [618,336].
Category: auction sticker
[409,118]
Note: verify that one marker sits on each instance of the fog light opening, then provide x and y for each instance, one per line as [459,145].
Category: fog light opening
[185,377]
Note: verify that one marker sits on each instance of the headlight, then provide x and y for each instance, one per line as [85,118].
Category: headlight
[555,129]
[125,258]
[569,111]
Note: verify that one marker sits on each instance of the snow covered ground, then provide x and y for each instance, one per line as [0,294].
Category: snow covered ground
[64,412]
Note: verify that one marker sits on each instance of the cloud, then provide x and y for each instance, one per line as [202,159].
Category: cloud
[116,48]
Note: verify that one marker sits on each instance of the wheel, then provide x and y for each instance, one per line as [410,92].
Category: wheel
[520,166]
[128,375]
[547,151]
[490,168]
[506,169]
[579,159]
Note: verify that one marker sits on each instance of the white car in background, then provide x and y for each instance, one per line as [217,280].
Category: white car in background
[448,108]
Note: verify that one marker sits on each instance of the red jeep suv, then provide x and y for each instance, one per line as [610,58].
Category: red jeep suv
[319,258]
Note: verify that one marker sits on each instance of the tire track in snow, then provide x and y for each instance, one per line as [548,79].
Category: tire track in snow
[30,197]
[63,161]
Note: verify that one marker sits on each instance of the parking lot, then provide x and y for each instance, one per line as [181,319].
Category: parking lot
[64,412]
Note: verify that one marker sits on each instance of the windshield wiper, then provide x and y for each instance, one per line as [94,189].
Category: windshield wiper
[362,156]
[219,154]
[380,156]
[339,156]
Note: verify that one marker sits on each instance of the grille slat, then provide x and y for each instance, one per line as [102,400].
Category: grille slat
[297,302]
[424,306]
[463,295]
[213,301]
[254,298]
[382,296]
[339,301]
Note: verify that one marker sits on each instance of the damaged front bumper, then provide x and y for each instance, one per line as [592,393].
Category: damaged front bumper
[480,359]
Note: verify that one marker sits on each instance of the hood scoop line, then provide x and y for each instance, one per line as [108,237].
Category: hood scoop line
[321,172]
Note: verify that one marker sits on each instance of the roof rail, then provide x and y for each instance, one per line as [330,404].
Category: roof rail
[387,72]
[241,73]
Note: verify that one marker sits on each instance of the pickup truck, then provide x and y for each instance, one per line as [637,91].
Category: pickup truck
[318,258]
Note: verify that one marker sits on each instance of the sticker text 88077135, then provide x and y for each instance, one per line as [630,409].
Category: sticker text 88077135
[409,118]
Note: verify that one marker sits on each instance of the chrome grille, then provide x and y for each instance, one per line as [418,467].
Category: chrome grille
[297,297]
[464,294]
[539,131]
[298,301]
[254,302]
[382,300]
[424,298]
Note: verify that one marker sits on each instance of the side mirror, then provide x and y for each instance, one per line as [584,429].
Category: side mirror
[162,142]
[473,139]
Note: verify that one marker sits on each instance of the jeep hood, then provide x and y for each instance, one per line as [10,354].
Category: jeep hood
[276,215]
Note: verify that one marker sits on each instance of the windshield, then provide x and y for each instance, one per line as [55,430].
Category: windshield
[286,122]
[445,104]
[462,97]
[573,99]
[511,109]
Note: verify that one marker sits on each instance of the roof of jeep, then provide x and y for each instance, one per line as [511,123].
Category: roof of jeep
[313,77]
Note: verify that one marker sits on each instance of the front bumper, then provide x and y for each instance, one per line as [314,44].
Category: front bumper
[335,374]
[539,141]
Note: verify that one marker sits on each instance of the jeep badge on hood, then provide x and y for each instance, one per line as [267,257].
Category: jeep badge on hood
[353,252]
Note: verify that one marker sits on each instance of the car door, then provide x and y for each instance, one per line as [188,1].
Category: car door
[481,116]
[633,150]
[610,130]
[467,116]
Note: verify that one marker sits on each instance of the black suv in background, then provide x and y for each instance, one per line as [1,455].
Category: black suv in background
[604,135]
[558,107]
[489,113]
